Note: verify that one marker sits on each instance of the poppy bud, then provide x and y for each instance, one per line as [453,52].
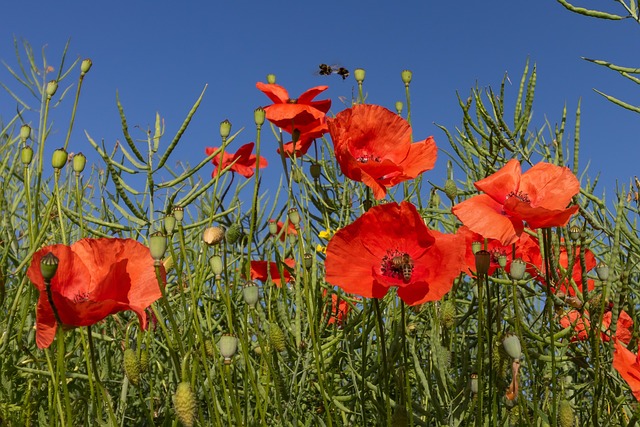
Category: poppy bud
[483,262]
[52,87]
[216,264]
[26,155]
[208,349]
[144,360]
[233,233]
[448,314]
[225,128]
[49,266]
[297,175]
[213,235]
[359,73]
[169,224]
[131,366]
[314,169]
[271,79]
[295,135]
[85,66]
[157,245]
[574,232]
[25,132]
[602,270]
[406,77]
[228,346]
[367,204]
[276,337]
[450,189]
[518,268]
[566,417]
[308,261]
[184,403]
[259,116]
[399,107]
[294,216]
[59,158]
[473,383]
[178,212]
[273,227]
[475,247]
[511,344]
[250,293]
[79,162]
[502,260]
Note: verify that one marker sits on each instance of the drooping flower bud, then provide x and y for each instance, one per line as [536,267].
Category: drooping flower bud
[259,115]
[85,66]
[406,77]
[157,245]
[250,292]
[225,128]
[271,79]
[448,314]
[79,162]
[25,132]
[52,88]
[518,268]
[276,337]
[49,266]
[144,360]
[359,74]
[566,416]
[59,158]
[228,347]
[26,155]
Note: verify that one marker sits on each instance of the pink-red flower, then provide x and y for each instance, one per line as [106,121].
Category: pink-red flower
[373,146]
[339,309]
[242,161]
[581,324]
[95,278]
[270,270]
[390,246]
[628,366]
[539,196]
[302,113]
[283,232]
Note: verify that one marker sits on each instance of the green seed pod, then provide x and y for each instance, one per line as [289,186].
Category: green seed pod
[25,132]
[271,79]
[473,383]
[225,128]
[52,88]
[406,77]
[308,260]
[144,360]
[294,216]
[399,107]
[49,266]
[602,270]
[157,245]
[276,337]
[26,155]
[511,344]
[132,366]
[233,233]
[297,175]
[566,417]
[448,314]
[215,262]
[59,158]
[518,268]
[315,170]
[574,232]
[178,212]
[273,227]
[79,162]
[250,292]
[85,66]
[228,347]
[451,189]
[259,115]
[475,247]
[514,416]
[359,74]
[169,224]
[184,403]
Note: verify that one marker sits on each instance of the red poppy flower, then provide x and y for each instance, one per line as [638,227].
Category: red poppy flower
[95,278]
[265,270]
[628,366]
[581,325]
[525,247]
[302,145]
[283,232]
[339,309]
[390,246]
[289,113]
[242,161]
[539,196]
[373,146]
[563,263]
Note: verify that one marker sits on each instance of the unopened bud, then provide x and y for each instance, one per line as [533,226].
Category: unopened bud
[26,155]
[52,88]
[79,162]
[59,158]
[85,66]
[25,132]
[450,189]
[233,233]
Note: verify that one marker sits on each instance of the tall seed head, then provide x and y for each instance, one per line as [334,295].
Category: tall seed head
[184,403]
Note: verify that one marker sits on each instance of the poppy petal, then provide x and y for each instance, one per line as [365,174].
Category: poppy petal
[276,93]
[483,215]
[501,183]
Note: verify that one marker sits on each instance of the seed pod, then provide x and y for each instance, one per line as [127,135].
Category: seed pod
[51,89]
[184,403]
[250,293]
[79,162]
[271,79]
[169,224]
[228,347]
[450,189]
[213,235]
[233,233]
[276,337]
[225,128]
[157,245]
[132,366]
[59,158]
[25,132]
[144,360]
[85,66]
[518,268]
[26,155]
[359,74]
[448,314]
[259,116]
[406,77]
[511,344]
[566,417]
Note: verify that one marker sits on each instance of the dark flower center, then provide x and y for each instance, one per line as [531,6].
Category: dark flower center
[523,197]
[81,297]
[366,158]
[496,254]
[397,265]
[292,101]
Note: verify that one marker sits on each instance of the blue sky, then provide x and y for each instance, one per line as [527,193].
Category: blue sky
[159,55]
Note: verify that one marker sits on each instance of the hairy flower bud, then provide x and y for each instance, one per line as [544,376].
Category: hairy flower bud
[131,366]
[184,403]
[233,233]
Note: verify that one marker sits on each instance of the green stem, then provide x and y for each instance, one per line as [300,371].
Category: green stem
[383,351]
